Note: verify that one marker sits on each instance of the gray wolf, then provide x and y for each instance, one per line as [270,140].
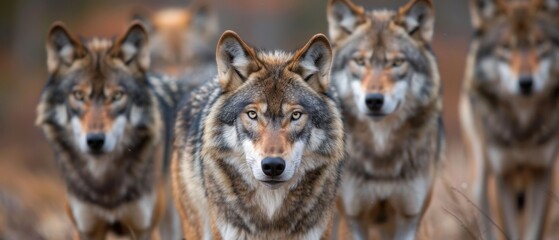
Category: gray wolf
[107,121]
[387,77]
[258,150]
[509,110]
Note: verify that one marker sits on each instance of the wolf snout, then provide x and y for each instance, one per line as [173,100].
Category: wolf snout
[526,84]
[95,141]
[374,101]
[273,166]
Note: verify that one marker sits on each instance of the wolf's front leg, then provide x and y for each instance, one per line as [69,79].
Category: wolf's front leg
[358,229]
[507,206]
[146,234]
[537,204]
[481,198]
[88,225]
[406,227]
[142,217]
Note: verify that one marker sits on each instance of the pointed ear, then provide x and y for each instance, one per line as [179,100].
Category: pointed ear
[235,61]
[144,16]
[204,19]
[418,18]
[132,48]
[343,18]
[482,11]
[313,63]
[62,48]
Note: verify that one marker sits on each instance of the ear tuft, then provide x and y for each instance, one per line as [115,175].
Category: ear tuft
[418,18]
[62,48]
[235,61]
[343,18]
[132,49]
[143,15]
[313,63]
[482,11]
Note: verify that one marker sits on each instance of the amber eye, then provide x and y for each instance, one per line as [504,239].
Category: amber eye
[78,95]
[117,96]
[359,61]
[252,115]
[296,115]
[398,62]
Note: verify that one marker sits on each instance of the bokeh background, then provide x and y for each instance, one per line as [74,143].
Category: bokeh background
[31,191]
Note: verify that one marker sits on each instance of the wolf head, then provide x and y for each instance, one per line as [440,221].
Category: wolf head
[97,91]
[179,36]
[515,49]
[276,111]
[383,62]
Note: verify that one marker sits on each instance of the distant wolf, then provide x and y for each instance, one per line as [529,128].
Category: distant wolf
[181,39]
[259,150]
[509,109]
[107,120]
[387,77]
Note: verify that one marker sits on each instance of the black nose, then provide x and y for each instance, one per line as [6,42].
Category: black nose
[374,101]
[273,166]
[526,84]
[95,141]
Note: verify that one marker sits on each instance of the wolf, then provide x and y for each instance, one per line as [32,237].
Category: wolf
[259,150]
[181,39]
[108,120]
[509,109]
[387,78]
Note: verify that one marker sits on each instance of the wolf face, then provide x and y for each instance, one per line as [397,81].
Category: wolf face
[272,107]
[516,45]
[97,90]
[382,57]
[181,36]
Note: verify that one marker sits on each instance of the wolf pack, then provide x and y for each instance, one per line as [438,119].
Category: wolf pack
[159,135]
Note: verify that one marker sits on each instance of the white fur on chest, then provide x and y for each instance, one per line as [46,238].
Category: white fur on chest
[270,201]
[358,195]
[99,166]
[503,159]
[86,214]
[381,133]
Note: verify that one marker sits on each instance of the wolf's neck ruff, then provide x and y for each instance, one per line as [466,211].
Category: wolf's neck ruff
[246,202]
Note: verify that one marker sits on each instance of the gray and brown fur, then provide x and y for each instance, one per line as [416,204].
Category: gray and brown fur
[261,105]
[394,144]
[182,38]
[510,110]
[106,119]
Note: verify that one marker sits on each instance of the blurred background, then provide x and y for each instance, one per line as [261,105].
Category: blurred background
[31,191]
